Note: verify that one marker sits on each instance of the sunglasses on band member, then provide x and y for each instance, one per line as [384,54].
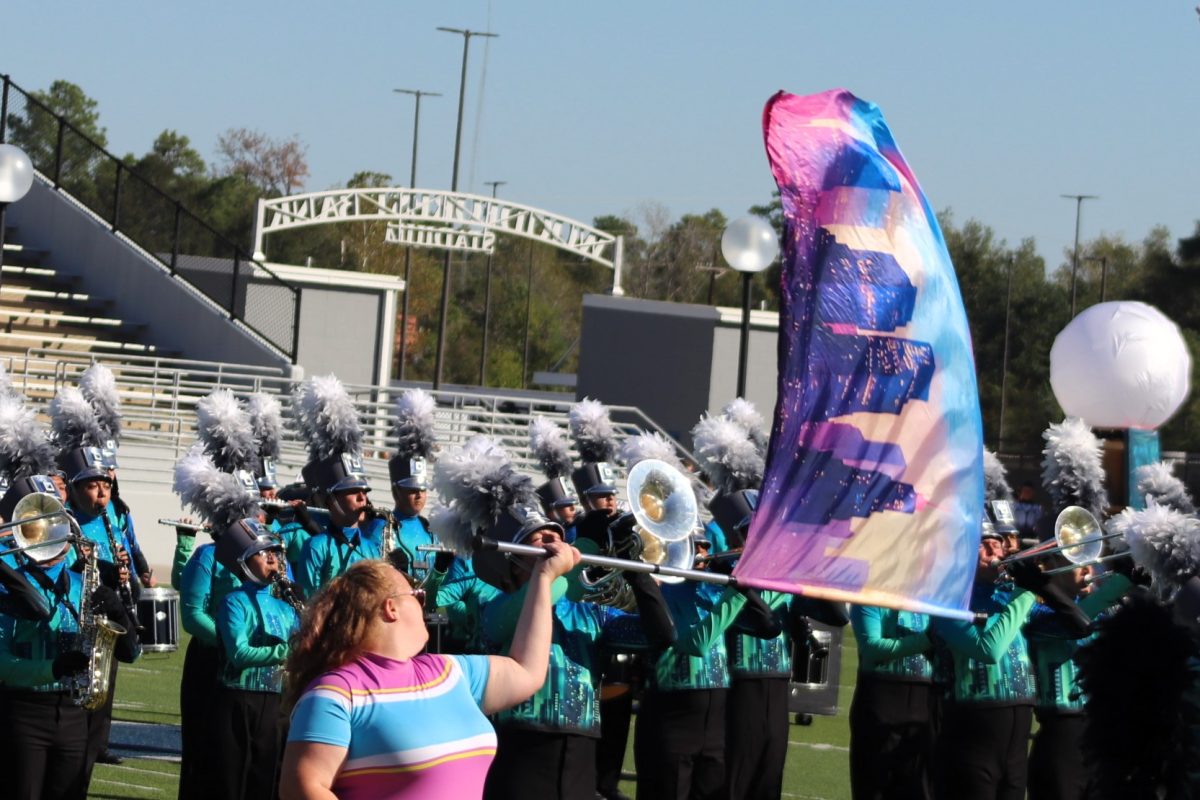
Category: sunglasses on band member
[417,593]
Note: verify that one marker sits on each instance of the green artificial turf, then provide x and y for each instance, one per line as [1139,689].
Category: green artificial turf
[148,691]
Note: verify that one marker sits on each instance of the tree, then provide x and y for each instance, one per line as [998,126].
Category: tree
[276,166]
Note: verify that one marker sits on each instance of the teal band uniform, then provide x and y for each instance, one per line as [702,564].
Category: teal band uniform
[203,587]
[752,657]
[255,628]
[892,644]
[990,663]
[698,659]
[28,648]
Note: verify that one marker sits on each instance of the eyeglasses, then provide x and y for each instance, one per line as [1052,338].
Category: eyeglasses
[417,593]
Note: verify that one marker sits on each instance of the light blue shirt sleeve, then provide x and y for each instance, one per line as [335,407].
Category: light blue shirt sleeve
[322,718]
[476,670]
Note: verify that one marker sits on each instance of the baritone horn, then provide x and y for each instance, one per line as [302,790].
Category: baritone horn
[41,526]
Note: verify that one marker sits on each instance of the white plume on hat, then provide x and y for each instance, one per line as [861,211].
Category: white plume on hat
[1072,473]
[216,497]
[73,421]
[1164,542]
[995,478]
[225,431]
[99,386]
[478,482]
[742,412]
[649,445]
[266,422]
[549,445]
[593,431]
[24,448]
[326,418]
[727,454]
[1158,483]
[415,419]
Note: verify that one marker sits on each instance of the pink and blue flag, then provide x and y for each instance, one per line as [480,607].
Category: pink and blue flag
[873,491]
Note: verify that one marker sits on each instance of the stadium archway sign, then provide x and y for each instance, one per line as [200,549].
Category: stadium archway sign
[440,220]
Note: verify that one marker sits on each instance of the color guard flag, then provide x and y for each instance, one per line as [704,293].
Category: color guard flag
[873,491]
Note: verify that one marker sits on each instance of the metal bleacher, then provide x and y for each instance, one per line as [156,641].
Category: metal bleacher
[159,395]
[40,308]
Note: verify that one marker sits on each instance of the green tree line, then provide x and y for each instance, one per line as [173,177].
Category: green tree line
[535,312]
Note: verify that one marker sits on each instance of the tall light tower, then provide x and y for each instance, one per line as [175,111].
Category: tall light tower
[462,90]
[487,299]
[412,184]
[1078,198]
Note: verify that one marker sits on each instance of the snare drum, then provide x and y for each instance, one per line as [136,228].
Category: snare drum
[158,615]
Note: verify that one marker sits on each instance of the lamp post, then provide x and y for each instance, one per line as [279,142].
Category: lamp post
[1103,275]
[412,184]
[445,305]
[16,177]
[749,245]
[1078,198]
[487,299]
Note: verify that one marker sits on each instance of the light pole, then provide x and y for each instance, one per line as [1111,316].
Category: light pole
[16,177]
[528,317]
[445,305]
[1078,198]
[412,184]
[1012,261]
[487,299]
[749,245]
[1103,275]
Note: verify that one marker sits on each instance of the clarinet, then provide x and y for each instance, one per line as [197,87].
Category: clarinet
[286,591]
[124,589]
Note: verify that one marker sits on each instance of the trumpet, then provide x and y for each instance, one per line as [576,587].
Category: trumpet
[185,525]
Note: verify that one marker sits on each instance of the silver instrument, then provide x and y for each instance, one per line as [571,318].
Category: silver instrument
[37,519]
[187,526]
[665,514]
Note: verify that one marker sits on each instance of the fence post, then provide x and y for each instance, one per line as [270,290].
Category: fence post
[58,150]
[297,293]
[175,239]
[116,217]
[233,295]
[4,111]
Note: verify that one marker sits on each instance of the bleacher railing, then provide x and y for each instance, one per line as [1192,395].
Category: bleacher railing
[188,247]
[159,397]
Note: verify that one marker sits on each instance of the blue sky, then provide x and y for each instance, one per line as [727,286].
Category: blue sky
[598,108]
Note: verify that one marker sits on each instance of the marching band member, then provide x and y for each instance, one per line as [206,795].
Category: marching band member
[254,627]
[361,643]
[329,424]
[549,447]
[407,470]
[227,445]
[44,741]
[546,745]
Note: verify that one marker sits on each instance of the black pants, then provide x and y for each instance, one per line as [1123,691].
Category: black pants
[679,745]
[982,753]
[615,715]
[1057,770]
[247,744]
[891,740]
[43,746]
[545,765]
[756,738]
[197,698]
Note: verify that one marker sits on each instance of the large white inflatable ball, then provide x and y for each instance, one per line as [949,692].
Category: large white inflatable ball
[1120,365]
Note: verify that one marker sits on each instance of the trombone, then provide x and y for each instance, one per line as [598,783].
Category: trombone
[1075,537]
[37,527]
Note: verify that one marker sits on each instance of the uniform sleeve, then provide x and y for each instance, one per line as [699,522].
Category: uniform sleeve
[184,546]
[322,714]
[452,593]
[476,670]
[236,623]
[874,645]
[989,642]
[195,596]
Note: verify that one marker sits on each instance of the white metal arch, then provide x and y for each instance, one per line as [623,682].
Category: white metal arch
[438,219]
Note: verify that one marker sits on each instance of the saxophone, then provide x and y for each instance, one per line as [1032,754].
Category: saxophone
[388,537]
[97,638]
